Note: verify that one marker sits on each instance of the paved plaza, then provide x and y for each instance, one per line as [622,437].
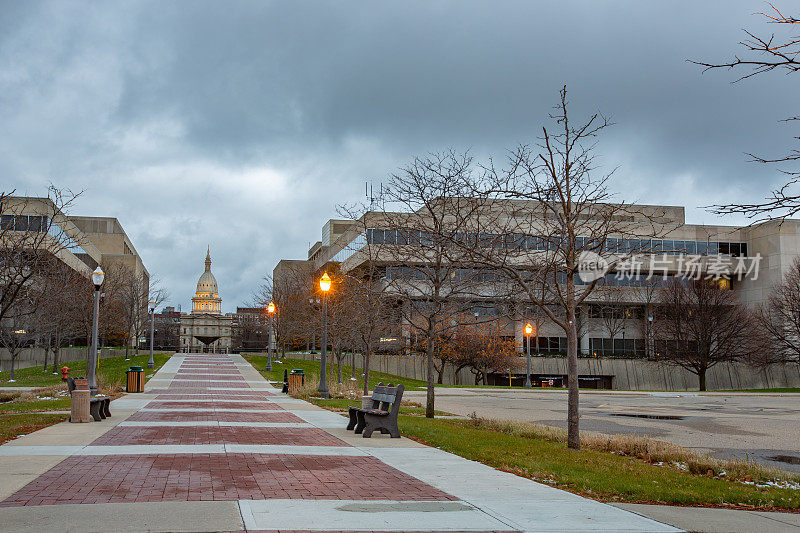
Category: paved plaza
[211,446]
[761,427]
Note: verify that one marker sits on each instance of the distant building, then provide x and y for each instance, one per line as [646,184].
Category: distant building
[250,329]
[774,244]
[84,242]
[206,329]
[167,329]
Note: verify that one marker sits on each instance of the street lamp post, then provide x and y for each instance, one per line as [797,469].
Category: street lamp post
[325,286]
[271,311]
[528,331]
[97,279]
[151,363]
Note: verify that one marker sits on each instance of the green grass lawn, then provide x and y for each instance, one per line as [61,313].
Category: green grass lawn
[312,367]
[15,425]
[600,475]
[111,369]
[32,406]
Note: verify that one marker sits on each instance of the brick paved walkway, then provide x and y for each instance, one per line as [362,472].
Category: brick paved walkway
[208,414]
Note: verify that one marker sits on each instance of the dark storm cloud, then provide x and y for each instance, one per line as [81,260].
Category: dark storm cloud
[241,125]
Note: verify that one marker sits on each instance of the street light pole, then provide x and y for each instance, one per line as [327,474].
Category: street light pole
[151,363]
[325,285]
[271,311]
[528,331]
[97,279]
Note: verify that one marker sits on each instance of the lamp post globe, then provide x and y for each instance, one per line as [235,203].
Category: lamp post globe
[271,313]
[528,332]
[91,368]
[325,286]
[151,363]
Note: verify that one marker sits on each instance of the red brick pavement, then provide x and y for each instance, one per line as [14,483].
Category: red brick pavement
[226,477]
[167,435]
[214,395]
[219,416]
[209,383]
[251,404]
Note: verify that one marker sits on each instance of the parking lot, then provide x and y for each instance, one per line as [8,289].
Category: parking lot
[762,427]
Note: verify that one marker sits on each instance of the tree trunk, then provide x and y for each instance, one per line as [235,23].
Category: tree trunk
[701,377]
[573,417]
[353,363]
[13,358]
[440,375]
[56,357]
[429,401]
[339,360]
[47,351]
[366,366]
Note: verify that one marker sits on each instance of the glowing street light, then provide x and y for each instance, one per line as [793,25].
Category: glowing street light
[325,286]
[271,312]
[528,332]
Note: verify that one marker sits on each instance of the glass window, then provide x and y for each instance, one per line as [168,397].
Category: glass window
[743,248]
[713,248]
[7,222]
[690,247]
[378,236]
[21,223]
[702,248]
[724,248]
[734,249]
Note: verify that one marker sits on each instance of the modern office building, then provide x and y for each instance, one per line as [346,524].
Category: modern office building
[206,329]
[80,242]
[771,246]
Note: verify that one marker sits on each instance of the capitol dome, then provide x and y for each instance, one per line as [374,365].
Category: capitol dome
[206,298]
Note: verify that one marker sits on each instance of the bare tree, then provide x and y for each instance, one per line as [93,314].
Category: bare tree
[17,327]
[764,54]
[612,308]
[30,236]
[701,323]
[780,318]
[429,205]
[550,214]
[367,295]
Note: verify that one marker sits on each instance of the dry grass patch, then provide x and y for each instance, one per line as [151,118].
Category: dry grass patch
[653,451]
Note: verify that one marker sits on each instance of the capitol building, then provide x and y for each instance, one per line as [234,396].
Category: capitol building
[206,329]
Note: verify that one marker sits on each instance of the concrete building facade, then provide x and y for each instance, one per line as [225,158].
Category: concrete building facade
[773,245]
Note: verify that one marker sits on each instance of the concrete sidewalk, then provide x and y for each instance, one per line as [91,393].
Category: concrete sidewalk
[210,446]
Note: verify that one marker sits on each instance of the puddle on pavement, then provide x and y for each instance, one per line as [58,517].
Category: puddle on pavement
[646,415]
[789,459]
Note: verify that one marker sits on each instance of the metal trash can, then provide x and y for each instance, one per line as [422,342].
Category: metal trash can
[297,378]
[135,382]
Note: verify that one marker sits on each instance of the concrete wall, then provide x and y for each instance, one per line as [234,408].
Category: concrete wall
[629,374]
[35,356]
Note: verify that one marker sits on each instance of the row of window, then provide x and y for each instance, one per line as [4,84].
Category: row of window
[608,347]
[542,243]
[35,223]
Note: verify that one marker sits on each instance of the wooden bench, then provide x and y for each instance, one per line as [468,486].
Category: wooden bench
[99,408]
[382,415]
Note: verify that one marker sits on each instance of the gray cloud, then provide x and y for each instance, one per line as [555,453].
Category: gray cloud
[242,125]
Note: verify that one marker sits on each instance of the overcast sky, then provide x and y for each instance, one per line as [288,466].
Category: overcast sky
[241,125]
